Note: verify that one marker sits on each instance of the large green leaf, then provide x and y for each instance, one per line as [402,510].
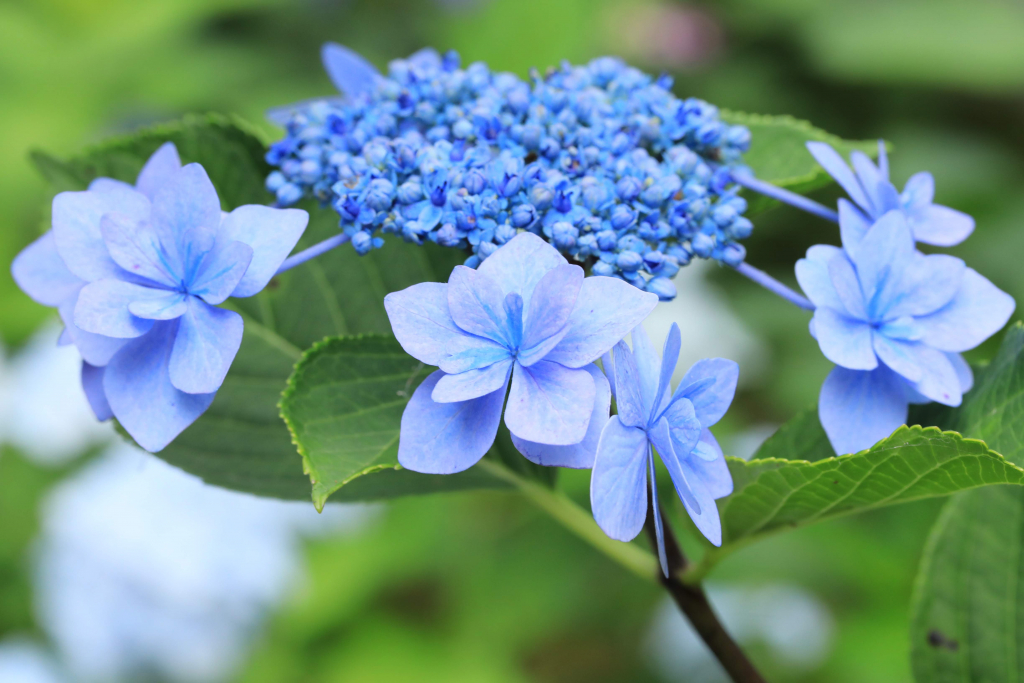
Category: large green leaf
[344,406]
[967,622]
[802,438]
[777,153]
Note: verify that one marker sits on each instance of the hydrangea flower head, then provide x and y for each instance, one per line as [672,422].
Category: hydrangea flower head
[137,273]
[525,314]
[894,321]
[874,195]
[676,424]
[600,160]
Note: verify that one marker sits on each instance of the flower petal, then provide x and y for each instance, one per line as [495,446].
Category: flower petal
[92,385]
[551,304]
[859,408]
[694,494]
[351,74]
[812,275]
[927,284]
[618,484]
[684,427]
[629,400]
[103,308]
[918,193]
[204,347]
[220,271]
[847,286]
[466,352]
[477,305]
[712,472]
[606,310]
[879,190]
[41,273]
[135,246]
[272,234]
[186,202]
[167,305]
[939,378]
[580,455]
[96,349]
[881,258]
[420,321]
[472,383]
[844,341]
[963,371]
[159,170]
[520,264]
[648,367]
[669,359]
[549,403]
[940,225]
[76,228]
[901,356]
[444,438]
[836,167]
[710,386]
[978,310]
[138,386]
[853,224]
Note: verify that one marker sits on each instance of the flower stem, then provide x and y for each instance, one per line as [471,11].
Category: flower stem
[772,285]
[312,252]
[693,602]
[785,196]
[578,521]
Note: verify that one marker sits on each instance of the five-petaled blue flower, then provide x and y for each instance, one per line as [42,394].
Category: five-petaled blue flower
[894,321]
[870,188]
[676,424]
[525,313]
[137,272]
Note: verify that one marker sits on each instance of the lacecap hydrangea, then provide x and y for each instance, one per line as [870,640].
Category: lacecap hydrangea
[601,160]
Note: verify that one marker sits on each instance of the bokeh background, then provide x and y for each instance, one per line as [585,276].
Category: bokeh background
[116,567]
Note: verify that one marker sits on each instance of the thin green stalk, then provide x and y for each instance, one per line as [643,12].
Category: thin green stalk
[577,520]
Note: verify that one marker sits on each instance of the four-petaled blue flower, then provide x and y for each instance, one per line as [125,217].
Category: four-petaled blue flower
[525,313]
[870,188]
[137,273]
[895,321]
[676,424]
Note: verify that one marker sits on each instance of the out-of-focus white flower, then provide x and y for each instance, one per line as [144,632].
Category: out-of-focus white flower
[22,661]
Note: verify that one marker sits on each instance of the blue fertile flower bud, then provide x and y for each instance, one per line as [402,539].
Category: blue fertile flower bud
[622,217]
[524,215]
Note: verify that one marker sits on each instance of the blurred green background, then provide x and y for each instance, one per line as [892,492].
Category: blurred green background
[481,587]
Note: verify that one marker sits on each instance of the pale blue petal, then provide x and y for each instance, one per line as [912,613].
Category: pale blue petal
[979,310]
[853,224]
[580,455]
[76,229]
[837,168]
[103,308]
[710,386]
[520,264]
[881,258]
[472,383]
[185,203]
[879,190]
[477,304]
[813,276]
[159,170]
[531,355]
[707,519]
[609,370]
[628,398]
[618,484]
[905,328]
[939,378]
[963,371]
[844,341]
[92,385]
[901,356]
[96,349]
[41,273]
[138,386]
[606,310]
[669,358]
[552,302]
[883,160]
[859,408]
[549,403]
[109,185]
[940,225]
[420,321]
[445,438]
[918,193]
[220,271]
[648,367]
[847,286]
[712,471]
[166,306]
[135,246]
[351,74]
[684,427]
[207,341]
[272,234]
[659,528]
[927,284]
[465,352]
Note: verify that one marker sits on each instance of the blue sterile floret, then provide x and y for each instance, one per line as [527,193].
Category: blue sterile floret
[601,160]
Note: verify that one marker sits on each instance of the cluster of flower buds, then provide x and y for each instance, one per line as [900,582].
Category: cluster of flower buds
[600,160]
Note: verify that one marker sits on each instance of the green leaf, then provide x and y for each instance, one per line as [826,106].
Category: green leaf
[777,154]
[801,438]
[344,406]
[967,615]
[229,149]
[914,463]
